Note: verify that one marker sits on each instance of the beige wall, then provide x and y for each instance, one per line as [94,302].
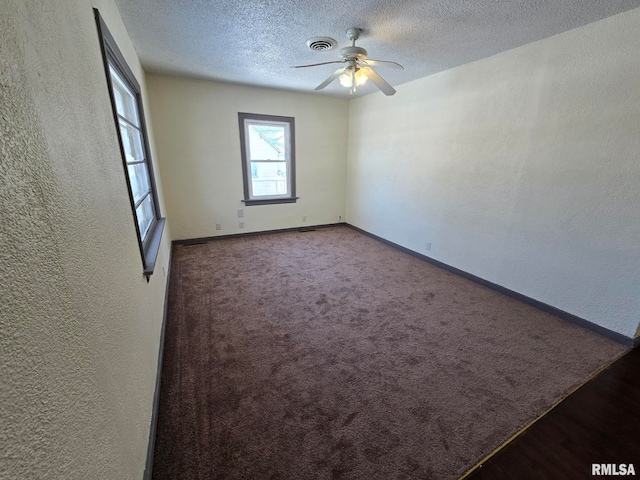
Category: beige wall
[79,324]
[196,125]
[522,169]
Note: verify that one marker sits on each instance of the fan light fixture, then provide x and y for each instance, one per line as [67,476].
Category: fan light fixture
[346,79]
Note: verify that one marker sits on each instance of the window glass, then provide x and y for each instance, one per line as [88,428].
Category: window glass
[124,98]
[139,179]
[132,142]
[144,213]
[270,178]
[267,142]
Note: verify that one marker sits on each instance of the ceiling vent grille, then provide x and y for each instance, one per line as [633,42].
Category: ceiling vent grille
[319,44]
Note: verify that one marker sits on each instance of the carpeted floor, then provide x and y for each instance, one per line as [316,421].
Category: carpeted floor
[329,355]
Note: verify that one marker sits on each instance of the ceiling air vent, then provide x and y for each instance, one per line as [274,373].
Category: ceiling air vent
[321,43]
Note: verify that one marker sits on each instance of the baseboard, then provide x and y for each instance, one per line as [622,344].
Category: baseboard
[618,337]
[148,469]
[306,228]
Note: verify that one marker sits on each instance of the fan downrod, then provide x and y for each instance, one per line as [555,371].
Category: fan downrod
[353,52]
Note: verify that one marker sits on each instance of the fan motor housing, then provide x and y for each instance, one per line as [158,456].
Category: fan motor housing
[353,52]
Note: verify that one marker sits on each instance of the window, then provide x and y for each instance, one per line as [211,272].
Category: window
[126,102]
[268,158]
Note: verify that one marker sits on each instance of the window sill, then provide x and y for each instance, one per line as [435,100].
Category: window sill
[270,201]
[153,247]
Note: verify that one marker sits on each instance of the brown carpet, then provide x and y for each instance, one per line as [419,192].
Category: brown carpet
[329,355]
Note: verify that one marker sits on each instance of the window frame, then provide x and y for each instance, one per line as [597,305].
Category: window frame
[290,197]
[111,56]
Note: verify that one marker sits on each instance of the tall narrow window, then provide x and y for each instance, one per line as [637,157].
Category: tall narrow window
[267,144]
[124,92]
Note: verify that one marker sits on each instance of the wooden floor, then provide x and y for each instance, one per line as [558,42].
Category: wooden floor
[599,423]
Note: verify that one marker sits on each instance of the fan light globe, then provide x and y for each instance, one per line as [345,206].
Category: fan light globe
[345,80]
[361,78]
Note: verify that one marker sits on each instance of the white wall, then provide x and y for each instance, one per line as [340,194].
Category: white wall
[196,125]
[522,169]
[79,324]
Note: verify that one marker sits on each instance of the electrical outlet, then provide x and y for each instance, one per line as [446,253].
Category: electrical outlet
[428,245]
[241,224]
[218,226]
[304,218]
[340,219]
[240,213]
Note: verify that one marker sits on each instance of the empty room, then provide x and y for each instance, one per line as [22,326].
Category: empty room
[339,240]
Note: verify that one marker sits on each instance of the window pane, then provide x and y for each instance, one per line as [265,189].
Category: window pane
[125,99]
[132,142]
[266,142]
[139,179]
[268,178]
[144,212]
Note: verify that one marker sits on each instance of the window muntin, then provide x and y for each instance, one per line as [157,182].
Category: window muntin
[129,118]
[267,145]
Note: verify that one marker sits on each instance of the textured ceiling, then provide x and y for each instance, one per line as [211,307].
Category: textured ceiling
[256,41]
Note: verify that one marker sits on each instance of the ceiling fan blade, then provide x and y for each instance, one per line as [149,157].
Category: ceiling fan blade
[332,77]
[380,82]
[382,63]
[315,64]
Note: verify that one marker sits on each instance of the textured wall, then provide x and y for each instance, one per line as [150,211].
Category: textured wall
[196,123]
[79,325]
[521,169]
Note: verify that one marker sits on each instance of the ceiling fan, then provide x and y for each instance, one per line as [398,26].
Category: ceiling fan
[358,67]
